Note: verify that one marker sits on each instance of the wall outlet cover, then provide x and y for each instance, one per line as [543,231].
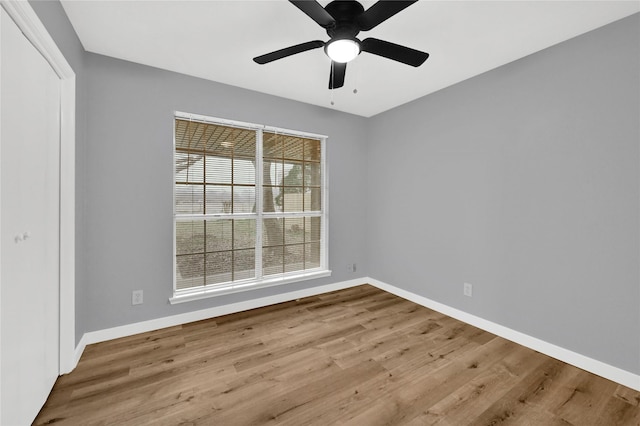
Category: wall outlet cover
[137,297]
[468,290]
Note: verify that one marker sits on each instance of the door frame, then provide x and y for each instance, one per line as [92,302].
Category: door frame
[27,20]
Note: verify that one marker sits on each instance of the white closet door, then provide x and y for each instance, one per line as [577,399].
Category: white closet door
[29,228]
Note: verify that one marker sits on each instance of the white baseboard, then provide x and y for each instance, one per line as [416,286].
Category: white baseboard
[216,311]
[78,352]
[591,365]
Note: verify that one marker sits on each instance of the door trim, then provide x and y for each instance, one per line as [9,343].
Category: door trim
[26,19]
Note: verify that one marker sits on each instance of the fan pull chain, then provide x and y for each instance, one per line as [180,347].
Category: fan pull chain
[355,89]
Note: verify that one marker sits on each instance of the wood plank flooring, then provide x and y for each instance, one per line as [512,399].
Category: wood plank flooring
[359,356]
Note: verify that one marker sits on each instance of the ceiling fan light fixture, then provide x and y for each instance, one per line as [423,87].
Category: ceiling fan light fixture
[344,20]
[343,50]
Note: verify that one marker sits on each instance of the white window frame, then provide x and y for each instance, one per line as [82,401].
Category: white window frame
[212,290]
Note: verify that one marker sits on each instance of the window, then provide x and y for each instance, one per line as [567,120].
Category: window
[249,206]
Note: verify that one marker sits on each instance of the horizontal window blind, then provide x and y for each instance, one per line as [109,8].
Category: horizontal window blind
[248,205]
[291,184]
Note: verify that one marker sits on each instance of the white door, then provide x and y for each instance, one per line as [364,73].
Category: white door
[29,226]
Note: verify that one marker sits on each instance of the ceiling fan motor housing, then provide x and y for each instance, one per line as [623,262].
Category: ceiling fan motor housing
[345,13]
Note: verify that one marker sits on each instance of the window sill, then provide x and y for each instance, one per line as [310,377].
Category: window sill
[205,293]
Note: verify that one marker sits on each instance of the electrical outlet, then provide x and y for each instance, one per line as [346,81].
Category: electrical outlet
[351,267]
[136,297]
[468,290]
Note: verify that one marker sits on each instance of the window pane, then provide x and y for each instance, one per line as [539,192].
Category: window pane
[272,233]
[313,198]
[244,171]
[293,230]
[188,133]
[312,255]
[245,145]
[218,199]
[272,199]
[312,150]
[189,199]
[272,179]
[199,134]
[272,260]
[218,170]
[293,174]
[190,237]
[219,235]
[293,147]
[244,264]
[189,167]
[271,145]
[293,182]
[293,200]
[294,258]
[312,229]
[244,199]
[219,267]
[312,174]
[189,271]
[273,172]
[244,234]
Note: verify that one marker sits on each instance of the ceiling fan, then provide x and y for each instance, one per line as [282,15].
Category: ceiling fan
[343,20]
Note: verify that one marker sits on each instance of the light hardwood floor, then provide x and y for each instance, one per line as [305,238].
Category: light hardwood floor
[359,356]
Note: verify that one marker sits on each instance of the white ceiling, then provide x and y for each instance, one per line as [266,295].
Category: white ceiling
[217,40]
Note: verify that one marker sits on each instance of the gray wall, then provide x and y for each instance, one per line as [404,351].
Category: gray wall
[524,182]
[129,187]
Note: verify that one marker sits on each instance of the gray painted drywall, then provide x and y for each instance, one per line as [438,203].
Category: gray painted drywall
[57,24]
[129,187]
[524,182]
